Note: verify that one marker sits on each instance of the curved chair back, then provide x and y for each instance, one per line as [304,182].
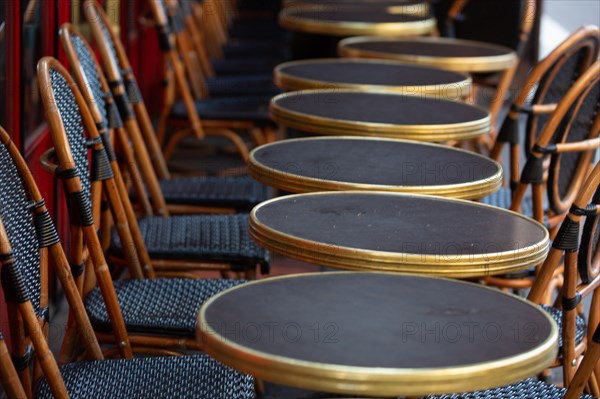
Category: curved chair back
[546,85]
[567,143]
[68,118]
[28,240]
[124,85]
[93,85]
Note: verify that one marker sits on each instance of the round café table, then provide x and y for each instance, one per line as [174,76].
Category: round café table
[447,53]
[356,163]
[407,233]
[377,334]
[410,7]
[359,113]
[342,22]
[372,75]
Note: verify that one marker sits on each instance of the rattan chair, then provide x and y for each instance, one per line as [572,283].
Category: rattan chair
[176,243]
[544,87]
[582,278]
[169,194]
[28,240]
[160,312]
[558,164]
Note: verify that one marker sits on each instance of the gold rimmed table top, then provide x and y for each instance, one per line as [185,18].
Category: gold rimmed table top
[377,334]
[343,22]
[359,113]
[447,53]
[406,233]
[372,75]
[354,163]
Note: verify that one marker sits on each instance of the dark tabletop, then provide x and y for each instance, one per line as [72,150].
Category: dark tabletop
[365,161]
[379,108]
[432,48]
[370,73]
[361,15]
[377,320]
[400,223]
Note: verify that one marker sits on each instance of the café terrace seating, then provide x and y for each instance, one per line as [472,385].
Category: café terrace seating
[371,225]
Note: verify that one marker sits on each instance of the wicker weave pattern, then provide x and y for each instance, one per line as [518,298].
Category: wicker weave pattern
[220,238]
[179,377]
[580,325]
[89,68]
[19,227]
[526,389]
[166,306]
[108,40]
[568,73]
[580,129]
[240,192]
[503,199]
[69,112]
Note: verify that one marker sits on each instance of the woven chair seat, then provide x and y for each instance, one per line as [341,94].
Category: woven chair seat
[239,192]
[157,306]
[254,109]
[196,376]
[526,389]
[502,199]
[242,66]
[243,85]
[580,325]
[209,238]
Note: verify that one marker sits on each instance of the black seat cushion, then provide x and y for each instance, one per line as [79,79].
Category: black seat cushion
[196,376]
[254,109]
[208,238]
[243,85]
[157,306]
[239,192]
[245,66]
[526,389]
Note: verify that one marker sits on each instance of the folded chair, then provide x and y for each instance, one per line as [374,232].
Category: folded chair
[581,279]
[27,240]
[168,194]
[177,243]
[559,161]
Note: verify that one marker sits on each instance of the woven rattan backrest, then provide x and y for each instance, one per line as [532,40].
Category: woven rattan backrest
[67,116]
[581,122]
[560,69]
[15,211]
[69,112]
[568,140]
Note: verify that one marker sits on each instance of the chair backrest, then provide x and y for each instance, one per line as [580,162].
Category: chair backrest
[580,278]
[124,86]
[545,86]
[175,47]
[567,141]
[507,23]
[28,240]
[92,84]
[69,119]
